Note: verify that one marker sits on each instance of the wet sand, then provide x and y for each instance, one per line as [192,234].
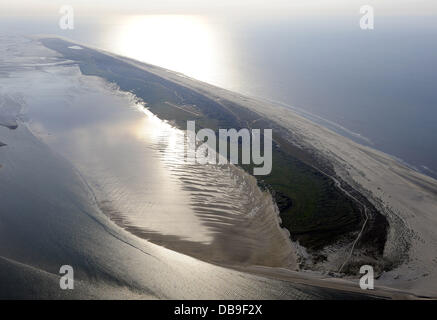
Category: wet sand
[49,217]
[134,168]
[406,197]
[96,154]
[61,220]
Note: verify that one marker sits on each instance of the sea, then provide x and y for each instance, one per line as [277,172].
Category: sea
[377,87]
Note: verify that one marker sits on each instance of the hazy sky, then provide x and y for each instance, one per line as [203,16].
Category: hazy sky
[283,7]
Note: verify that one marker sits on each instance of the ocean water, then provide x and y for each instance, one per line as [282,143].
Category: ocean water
[133,162]
[377,87]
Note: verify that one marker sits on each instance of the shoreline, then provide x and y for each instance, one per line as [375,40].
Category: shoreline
[298,177]
[350,170]
[385,182]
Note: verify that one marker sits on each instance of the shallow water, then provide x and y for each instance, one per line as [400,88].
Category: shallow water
[134,164]
[82,146]
[376,87]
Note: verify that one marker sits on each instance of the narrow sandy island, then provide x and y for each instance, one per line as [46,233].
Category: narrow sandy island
[407,198]
[51,215]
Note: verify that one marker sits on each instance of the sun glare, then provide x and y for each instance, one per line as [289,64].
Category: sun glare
[183,43]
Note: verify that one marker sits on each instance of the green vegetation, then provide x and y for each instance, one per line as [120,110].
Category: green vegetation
[311,207]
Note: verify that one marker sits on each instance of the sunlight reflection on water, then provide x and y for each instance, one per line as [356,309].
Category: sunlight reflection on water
[155,39]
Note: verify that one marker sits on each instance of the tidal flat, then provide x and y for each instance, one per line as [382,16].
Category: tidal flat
[313,208]
[401,202]
[104,154]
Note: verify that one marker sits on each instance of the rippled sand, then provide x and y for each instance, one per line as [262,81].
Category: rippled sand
[102,152]
[133,163]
